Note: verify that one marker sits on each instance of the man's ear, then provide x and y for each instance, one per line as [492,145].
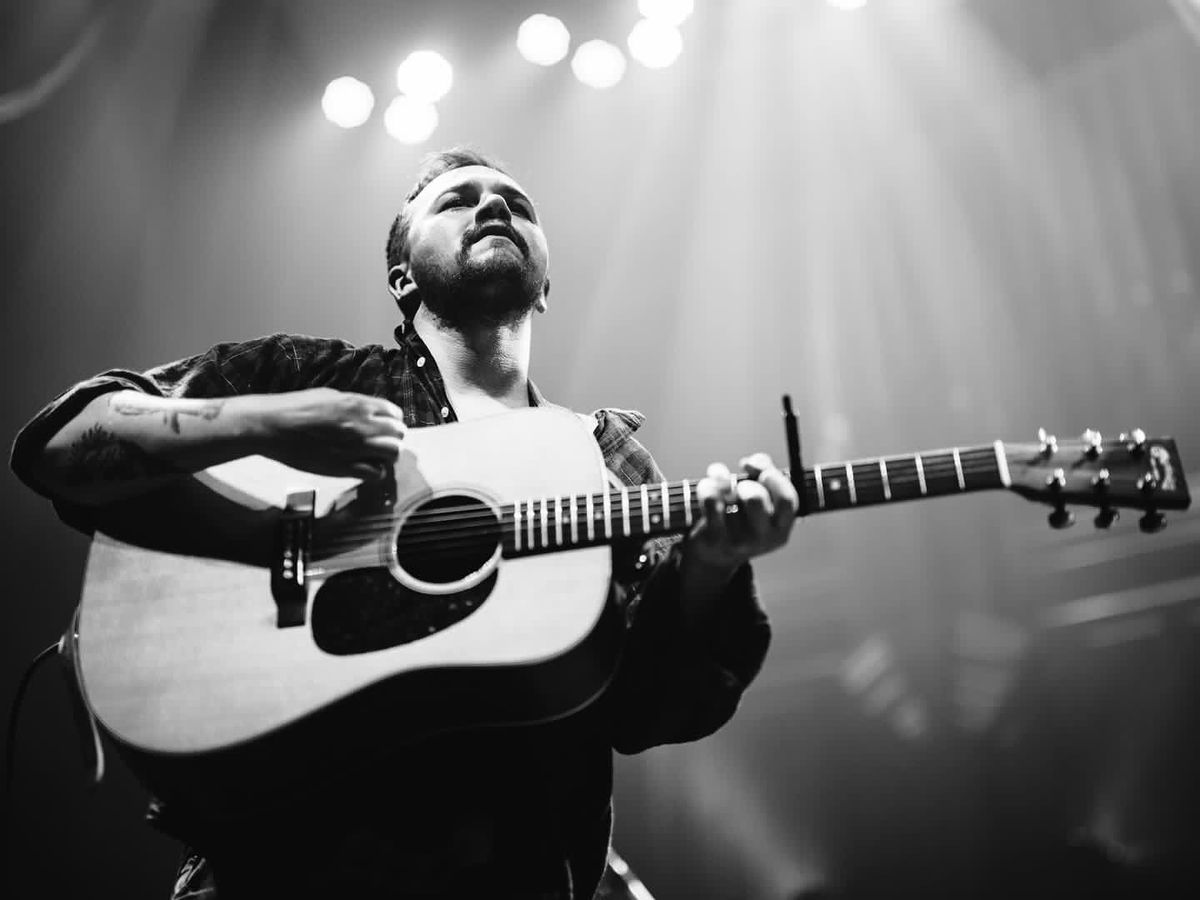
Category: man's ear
[401,285]
[542,303]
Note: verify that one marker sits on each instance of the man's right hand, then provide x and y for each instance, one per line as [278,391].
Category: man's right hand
[331,432]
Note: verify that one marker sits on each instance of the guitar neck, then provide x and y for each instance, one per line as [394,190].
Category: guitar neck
[548,524]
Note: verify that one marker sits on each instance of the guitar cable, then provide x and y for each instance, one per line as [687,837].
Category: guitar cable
[93,751]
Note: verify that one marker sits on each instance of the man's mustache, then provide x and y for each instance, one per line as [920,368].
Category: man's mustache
[499,228]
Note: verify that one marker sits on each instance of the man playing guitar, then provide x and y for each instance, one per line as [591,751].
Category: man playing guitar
[518,810]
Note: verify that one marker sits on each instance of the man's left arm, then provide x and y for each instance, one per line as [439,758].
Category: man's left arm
[699,634]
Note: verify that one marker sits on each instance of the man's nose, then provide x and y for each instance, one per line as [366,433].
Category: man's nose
[493,206]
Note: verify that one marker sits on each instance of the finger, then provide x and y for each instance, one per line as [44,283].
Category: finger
[755,464]
[383,447]
[370,471]
[381,406]
[783,497]
[708,492]
[723,481]
[755,510]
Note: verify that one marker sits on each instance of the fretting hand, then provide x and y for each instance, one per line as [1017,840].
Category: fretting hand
[741,519]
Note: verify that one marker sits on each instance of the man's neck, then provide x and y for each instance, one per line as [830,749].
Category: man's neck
[485,361]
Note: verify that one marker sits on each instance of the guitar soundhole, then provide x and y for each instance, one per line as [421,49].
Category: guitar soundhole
[440,542]
[447,538]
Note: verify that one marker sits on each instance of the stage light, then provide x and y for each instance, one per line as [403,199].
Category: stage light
[598,64]
[425,75]
[670,12]
[543,39]
[347,102]
[847,4]
[409,120]
[655,44]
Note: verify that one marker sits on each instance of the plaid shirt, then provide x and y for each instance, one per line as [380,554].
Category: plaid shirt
[667,689]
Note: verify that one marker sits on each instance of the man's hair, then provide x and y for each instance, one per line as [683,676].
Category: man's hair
[432,166]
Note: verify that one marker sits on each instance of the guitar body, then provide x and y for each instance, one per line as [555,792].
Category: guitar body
[214,704]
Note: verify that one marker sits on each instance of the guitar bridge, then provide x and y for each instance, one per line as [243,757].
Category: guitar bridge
[289,567]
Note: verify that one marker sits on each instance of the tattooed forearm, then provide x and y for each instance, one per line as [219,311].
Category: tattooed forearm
[138,406]
[98,455]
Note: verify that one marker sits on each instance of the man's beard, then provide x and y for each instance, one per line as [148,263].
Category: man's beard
[492,292]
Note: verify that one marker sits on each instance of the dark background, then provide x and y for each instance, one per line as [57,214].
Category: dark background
[933,222]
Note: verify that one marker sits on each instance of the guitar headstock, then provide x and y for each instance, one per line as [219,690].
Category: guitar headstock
[1134,472]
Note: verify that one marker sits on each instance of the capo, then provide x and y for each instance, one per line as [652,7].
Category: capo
[795,466]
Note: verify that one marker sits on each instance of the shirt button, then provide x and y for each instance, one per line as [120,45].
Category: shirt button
[420,361]
[445,411]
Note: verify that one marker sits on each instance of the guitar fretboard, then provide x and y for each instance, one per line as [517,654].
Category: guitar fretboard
[548,524]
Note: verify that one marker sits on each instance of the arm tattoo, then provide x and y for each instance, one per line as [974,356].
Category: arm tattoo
[207,411]
[99,455]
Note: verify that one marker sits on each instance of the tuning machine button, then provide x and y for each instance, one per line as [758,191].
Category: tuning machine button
[1152,521]
[1107,515]
[1061,517]
[1048,443]
[1092,443]
[1135,441]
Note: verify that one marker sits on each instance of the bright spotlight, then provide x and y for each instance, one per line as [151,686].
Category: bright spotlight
[347,102]
[655,44]
[672,12]
[409,120]
[847,4]
[543,39]
[425,75]
[598,64]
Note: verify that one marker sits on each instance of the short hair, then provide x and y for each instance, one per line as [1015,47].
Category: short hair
[433,165]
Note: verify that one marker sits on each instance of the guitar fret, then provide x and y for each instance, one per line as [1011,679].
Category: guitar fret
[1002,464]
[645,492]
[665,494]
[517,527]
[820,487]
[687,503]
[625,510]
[850,484]
[574,523]
[883,475]
[545,525]
[591,521]
[529,523]
[958,470]
[558,521]
[920,474]
[607,515]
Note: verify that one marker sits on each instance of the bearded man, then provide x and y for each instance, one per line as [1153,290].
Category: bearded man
[517,811]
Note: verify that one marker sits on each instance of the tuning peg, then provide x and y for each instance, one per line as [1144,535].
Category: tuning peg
[1048,442]
[1135,441]
[1061,518]
[1148,483]
[1106,517]
[1092,443]
[1152,521]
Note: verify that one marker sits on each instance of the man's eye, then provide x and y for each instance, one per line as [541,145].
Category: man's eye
[450,202]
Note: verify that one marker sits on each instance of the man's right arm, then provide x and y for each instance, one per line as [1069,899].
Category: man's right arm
[126,443]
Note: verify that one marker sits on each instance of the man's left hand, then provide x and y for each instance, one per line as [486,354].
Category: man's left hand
[742,519]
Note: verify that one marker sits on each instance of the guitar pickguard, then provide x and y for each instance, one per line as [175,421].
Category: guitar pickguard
[367,609]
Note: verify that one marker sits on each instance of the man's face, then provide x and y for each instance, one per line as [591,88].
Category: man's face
[476,249]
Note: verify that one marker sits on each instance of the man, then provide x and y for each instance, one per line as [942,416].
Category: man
[521,811]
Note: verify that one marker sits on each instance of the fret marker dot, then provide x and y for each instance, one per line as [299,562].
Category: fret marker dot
[835,484]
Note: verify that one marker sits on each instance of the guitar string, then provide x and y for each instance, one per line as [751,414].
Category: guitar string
[480,521]
[468,525]
[429,523]
[867,478]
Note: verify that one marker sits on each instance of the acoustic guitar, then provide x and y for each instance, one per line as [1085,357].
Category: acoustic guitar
[474,591]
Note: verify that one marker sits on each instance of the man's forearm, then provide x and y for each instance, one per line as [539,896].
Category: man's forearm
[126,443]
